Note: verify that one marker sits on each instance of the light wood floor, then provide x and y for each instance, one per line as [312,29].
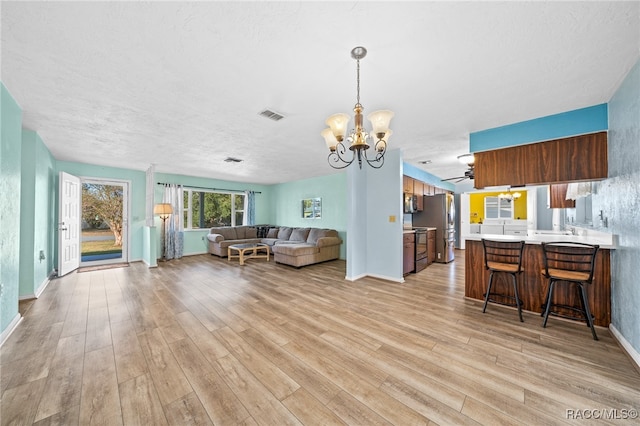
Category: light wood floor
[204,341]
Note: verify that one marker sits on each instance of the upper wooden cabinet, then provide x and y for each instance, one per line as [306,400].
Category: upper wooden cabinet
[558,197]
[558,161]
[407,184]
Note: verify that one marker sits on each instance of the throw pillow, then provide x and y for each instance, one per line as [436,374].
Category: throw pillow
[284,233]
[273,233]
[299,234]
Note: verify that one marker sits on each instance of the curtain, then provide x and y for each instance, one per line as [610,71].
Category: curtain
[174,227]
[249,217]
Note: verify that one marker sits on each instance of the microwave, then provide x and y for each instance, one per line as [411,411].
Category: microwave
[410,203]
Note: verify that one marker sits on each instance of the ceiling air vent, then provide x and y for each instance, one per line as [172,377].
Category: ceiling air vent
[272,115]
[232,160]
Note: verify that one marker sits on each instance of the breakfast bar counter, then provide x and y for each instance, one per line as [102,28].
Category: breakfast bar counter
[532,284]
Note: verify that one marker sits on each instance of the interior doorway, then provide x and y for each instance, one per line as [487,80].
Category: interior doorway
[104,226]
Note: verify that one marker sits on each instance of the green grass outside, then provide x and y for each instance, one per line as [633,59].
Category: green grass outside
[98,247]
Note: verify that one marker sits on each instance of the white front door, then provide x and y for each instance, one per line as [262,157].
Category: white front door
[68,224]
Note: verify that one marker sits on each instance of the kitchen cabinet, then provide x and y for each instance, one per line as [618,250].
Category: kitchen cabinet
[515,230]
[431,246]
[418,191]
[408,252]
[407,184]
[558,197]
[578,158]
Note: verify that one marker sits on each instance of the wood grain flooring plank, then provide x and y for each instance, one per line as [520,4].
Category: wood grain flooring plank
[100,400]
[263,406]
[167,376]
[220,402]
[210,346]
[309,410]
[128,355]
[353,412]
[274,379]
[315,383]
[187,411]
[64,381]
[140,403]
[19,403]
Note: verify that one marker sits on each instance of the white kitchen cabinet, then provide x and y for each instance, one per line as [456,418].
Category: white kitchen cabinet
[492,229]
[515,230]
[474,228]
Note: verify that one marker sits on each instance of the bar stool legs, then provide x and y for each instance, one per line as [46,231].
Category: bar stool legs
[516,292]
[584,304]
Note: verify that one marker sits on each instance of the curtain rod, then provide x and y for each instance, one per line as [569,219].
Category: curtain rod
[211,189]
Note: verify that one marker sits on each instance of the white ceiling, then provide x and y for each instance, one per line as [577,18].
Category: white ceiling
[180,85]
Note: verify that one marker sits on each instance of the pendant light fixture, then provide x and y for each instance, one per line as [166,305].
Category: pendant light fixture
[358,138]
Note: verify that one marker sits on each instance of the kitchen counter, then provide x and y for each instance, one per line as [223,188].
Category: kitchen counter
[532,284]
[605,241]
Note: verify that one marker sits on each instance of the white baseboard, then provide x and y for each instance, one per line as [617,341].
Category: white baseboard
[39,290]
[630,350]
[382,277]
[10,328]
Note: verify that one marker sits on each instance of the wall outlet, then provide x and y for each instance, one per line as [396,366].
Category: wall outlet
[439,255]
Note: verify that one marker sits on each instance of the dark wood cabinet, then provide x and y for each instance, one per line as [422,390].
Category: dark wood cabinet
[431,246]
[407,184]
[408,253]
[577,158]
[558,197]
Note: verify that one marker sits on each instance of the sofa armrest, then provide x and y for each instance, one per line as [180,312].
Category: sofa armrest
[215,238]
[328,241]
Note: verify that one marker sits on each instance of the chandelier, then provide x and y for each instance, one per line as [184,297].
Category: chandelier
[509,195]
[358,138]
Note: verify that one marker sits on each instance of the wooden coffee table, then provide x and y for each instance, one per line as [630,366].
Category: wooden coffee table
[248,251]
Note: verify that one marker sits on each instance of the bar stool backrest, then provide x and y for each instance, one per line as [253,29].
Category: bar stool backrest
[498,254]
[578,258]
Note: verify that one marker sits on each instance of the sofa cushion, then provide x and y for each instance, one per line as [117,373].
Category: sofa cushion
[251,233]
[300,249]
[284,233]
[273,233]
[228,232]
[240,232]
[316,233]
[299,234]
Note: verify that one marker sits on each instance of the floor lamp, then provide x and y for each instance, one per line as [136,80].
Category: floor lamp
[163,210]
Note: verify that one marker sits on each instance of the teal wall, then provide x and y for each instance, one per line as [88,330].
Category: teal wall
[375,210]
[137,191]
[619,199]
[195,241]
[38,202]
[10,192]
[286,204]
[577,122]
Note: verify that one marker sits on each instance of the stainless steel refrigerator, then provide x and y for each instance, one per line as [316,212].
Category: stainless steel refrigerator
[439,211]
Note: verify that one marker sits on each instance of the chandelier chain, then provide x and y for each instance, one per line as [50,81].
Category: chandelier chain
[358,82]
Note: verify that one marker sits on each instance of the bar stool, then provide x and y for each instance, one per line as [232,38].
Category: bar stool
[503,257]
[571,264]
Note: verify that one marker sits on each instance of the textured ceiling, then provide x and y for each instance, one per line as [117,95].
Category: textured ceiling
[181,85]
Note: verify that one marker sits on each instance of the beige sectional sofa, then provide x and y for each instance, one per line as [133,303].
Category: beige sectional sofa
[291,246]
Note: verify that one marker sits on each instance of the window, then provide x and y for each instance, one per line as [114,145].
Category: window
[205,209]
[498,208]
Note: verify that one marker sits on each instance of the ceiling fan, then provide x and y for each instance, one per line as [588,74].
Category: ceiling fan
[468,174]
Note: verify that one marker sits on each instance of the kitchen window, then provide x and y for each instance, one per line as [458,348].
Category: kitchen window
[206,209]
[498,208]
